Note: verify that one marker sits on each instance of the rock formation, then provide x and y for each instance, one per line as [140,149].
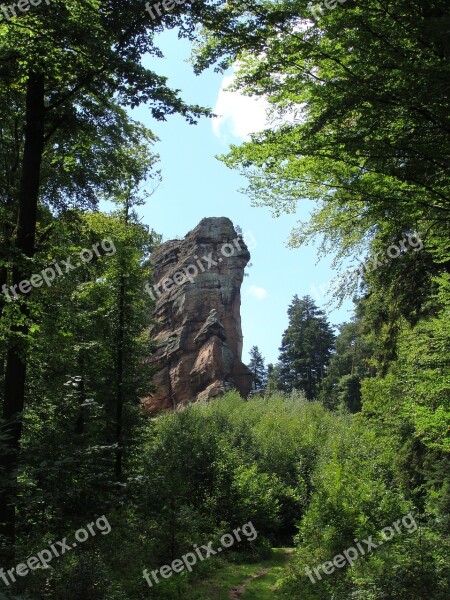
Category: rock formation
[197,322]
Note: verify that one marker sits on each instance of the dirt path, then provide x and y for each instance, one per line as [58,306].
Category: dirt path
[239,590]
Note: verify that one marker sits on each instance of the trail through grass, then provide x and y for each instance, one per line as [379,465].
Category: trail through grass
[247,581]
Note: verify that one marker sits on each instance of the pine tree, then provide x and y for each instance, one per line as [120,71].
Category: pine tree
[258,369]
[306,348]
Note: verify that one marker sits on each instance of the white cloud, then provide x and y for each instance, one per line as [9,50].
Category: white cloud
[238,115]
[258,292]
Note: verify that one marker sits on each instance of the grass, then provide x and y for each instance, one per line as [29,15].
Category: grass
[230,575]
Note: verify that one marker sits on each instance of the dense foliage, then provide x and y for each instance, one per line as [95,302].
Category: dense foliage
[286,464]
[359,97]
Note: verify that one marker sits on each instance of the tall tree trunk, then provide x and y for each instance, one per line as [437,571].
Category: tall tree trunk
[79,425]
[119,398]
[120,368]
[16,356]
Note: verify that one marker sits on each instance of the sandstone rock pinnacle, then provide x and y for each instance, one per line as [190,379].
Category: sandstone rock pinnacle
[197,329]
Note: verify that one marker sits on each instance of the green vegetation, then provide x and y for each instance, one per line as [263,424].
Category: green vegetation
[288,465]
[261,575]
[354,432]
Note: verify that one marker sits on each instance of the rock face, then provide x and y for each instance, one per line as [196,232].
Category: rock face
[197,328]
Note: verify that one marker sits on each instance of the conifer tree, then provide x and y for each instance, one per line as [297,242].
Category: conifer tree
[306,348]
[258,369]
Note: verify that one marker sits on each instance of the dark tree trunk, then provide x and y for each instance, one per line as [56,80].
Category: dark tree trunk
[119,399]
[79,425]
[120,368]
[16,356]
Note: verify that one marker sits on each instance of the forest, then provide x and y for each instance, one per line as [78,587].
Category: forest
[331,479]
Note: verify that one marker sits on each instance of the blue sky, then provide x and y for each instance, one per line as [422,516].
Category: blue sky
[196,185]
